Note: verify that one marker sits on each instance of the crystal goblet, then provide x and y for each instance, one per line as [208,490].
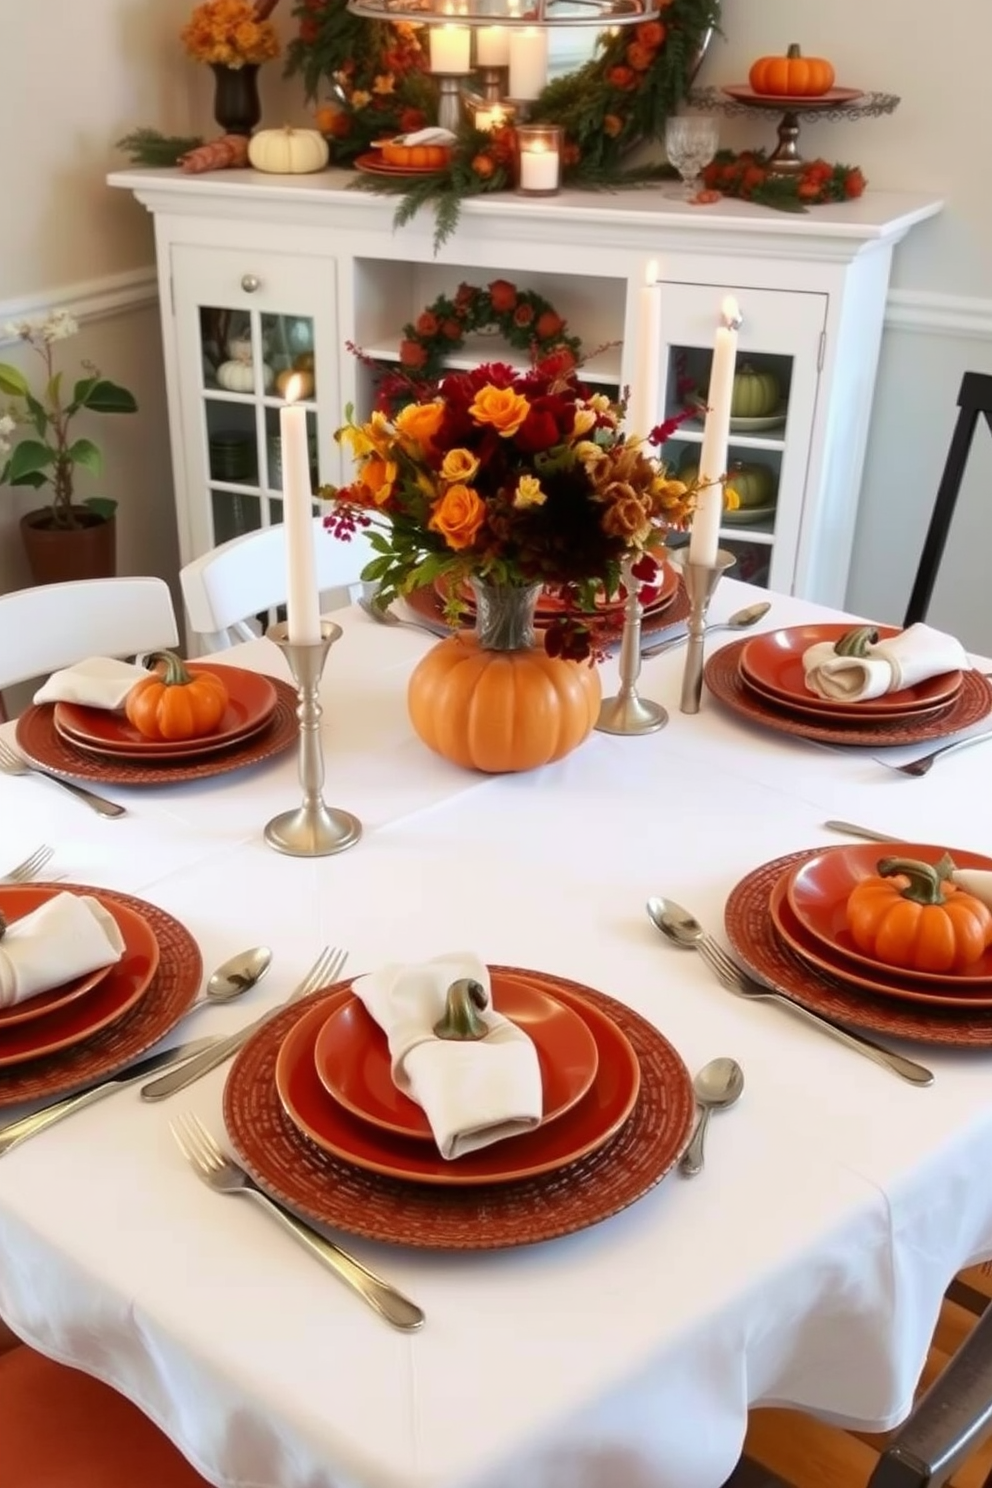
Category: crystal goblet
[691,141]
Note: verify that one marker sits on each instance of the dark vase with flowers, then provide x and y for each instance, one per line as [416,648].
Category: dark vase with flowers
[237,106]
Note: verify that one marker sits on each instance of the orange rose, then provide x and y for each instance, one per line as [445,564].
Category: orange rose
[417,423]
[640,57]
[612,125]
[412,354]
[459,466]
[458,516]
[621,77]
[650,33]
[503,295]
[378,476]
[504,409]
[548,324]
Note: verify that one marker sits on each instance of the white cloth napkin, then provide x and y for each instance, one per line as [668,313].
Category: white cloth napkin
[473,1092]
[913,656]
[430,136]
[975,881]
[68,936]
[98,682]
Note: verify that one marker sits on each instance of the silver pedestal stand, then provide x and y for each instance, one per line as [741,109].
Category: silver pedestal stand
[315,830]
[627,713]
[700,581]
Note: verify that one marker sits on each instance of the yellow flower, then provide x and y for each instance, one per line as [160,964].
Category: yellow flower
[384,83]
[600,403]
[731,500]
[528,493]
[583,421]
[417,423]
[504,409]
[360,99]
[458,516]
[587,451]
[459,465]
[373,438]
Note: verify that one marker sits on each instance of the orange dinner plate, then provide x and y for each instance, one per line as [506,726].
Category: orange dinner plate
[251,702]
[818,891]
[116,989]
[353,1063]
[15,903]
[774,662]
[588,1126]
[825,711]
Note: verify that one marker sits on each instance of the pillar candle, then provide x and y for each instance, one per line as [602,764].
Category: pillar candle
[642,410]
[705,537]
[492,46]
[302,602]
[539,167]
[528,61]
[450,48]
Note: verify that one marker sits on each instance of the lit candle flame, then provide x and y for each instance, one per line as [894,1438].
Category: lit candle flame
[651,272]
[731,313]
[294,388]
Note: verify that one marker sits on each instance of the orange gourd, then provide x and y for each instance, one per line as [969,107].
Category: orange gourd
[416,157]
[175,703]
[501,711]
[910,916]
[792,75]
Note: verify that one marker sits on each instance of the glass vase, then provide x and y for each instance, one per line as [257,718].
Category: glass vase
[237,107]
[504,614]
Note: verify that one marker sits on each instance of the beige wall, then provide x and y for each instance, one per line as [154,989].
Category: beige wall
[75,77]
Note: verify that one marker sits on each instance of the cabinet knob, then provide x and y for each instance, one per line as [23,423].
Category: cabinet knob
[250,282]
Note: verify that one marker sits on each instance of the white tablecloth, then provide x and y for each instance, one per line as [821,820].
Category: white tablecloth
[805,1265]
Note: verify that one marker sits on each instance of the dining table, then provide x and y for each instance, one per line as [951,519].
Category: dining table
[803,1266]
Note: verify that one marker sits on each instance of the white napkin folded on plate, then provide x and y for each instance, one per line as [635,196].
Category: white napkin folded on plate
[68,936]
[433,135]
[974,881]
[913,656]
[98,682]
[473,1092]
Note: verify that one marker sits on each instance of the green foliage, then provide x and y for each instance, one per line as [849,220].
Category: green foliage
[150,147]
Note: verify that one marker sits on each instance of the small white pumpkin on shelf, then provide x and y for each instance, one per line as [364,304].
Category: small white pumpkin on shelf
[238,375]
[288,151]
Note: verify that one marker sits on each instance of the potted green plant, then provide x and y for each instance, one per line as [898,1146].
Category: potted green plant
[66,539]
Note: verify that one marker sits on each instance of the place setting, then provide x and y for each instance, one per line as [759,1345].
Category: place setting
[893,939]
[458,1106]
[866,685]
[122,724]
[90,980]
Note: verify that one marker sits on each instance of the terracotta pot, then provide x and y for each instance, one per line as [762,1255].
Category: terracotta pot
[57,554]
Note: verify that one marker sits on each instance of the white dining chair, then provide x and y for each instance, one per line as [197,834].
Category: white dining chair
[54,625]
[228,588]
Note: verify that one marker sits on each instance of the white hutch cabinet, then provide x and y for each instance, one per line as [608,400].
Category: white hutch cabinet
[272,273]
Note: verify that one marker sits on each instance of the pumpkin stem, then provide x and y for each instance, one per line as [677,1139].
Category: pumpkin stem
[461,1020]
[794,50]
[175,673]
[925,881]
[856,642]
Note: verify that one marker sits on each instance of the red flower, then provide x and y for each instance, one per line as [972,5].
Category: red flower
[412,119]
[452,330]
[549,324]
[523,315]
[621,77]
[427,324]
[539,431]
[309,31]
[854,183]
[503,295]
[412,354]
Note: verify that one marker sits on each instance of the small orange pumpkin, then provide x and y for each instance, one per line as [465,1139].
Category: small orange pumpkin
[175,703]
[416,157]
[792,75]
[910,916]
[501,711]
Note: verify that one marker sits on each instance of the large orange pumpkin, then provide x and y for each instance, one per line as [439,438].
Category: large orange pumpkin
[792,75]
[501,711]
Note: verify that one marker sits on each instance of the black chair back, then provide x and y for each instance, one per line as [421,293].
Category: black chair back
[975,398]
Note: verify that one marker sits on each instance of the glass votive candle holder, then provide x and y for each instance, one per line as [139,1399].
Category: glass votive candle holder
[539,148]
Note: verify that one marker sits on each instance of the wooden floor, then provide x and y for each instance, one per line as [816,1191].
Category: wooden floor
[786,1447]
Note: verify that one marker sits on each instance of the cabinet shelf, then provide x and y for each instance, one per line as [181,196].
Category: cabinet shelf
[603,369]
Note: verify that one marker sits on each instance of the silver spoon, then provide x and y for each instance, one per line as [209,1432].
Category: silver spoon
[684,930]
[387,617]
[235,976]
[717,1085]
[739,620]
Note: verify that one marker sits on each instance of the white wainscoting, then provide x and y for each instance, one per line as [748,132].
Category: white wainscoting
[95,299]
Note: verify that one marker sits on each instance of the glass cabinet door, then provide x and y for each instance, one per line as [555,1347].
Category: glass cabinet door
[258,328]
[778,358]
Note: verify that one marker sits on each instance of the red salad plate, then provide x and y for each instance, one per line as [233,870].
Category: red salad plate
[825,711]
[818,891]
[796,102]
[353,1063]
[588,1126]
[116,991]
[774,662]
[251,702]
[15,903]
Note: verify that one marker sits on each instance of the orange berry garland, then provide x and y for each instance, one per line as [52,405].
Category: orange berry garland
[747,176]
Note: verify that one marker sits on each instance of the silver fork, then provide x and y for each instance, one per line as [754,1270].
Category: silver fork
[12,763]
[922,765]
[328,965]
[387,617]
[225,1176]
[735,980]
[31,866]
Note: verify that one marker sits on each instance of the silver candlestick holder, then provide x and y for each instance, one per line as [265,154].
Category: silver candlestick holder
[700,581]
[315,830]
[449,102]
[627,712]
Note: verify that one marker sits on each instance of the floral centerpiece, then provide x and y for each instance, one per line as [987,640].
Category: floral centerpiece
[48,455]
[519,479]
[231,33]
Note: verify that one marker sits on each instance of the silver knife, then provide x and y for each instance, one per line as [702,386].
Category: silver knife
[38,1121]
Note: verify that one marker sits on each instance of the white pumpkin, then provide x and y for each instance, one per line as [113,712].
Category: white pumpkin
[288,152]
[238,376]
